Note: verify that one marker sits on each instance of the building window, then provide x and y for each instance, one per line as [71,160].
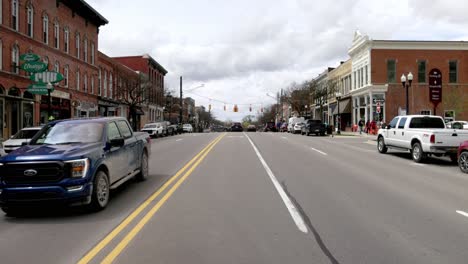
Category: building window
[14,15]
[85,83]
[422,71]
[45,29]
[425,112]
[56,66]
[56,35]
[46,61]
[77,44]
[30,13]
[449,115]
[92,53]
[105,84]
[66,40]
[453,71]
[92,84]
[85,50]
[65,76]
[367,75]
[354,84]
[110,85]
[78,80]
[391,71]
[1,53]
[99,83]
[15,59]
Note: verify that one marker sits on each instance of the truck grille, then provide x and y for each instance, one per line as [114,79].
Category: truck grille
[45,172]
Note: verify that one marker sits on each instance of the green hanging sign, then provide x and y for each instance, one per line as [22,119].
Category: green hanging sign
[29,57]
[34,66]
[40,88]
[47,77]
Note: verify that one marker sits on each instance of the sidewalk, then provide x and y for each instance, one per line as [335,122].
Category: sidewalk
[356,134]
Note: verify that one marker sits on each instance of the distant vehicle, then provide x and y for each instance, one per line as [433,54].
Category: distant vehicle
[292,121]
[314,127]
[187,128]
[251,128]
[422,136]
[218,128]
[298,128]
[463,157]
[284,127]
[270,127]
[74,162]
[237,127]
[154,129]
[457,124]
[17,140]
[170,129]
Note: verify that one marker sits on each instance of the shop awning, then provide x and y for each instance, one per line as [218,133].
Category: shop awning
[345,107]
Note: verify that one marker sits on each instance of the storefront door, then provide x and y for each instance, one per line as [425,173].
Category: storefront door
[2,121]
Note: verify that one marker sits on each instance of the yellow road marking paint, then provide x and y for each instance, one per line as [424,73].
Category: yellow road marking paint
[101,245]
[129,237]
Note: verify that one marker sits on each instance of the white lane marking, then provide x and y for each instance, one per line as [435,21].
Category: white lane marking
[235,136]
[370,142]
[179,139]
[462,213]
[418,164]
[296,216]
[284,137]
[319,151]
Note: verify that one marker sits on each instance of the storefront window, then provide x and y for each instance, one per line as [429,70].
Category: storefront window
[1,117]
[28,114]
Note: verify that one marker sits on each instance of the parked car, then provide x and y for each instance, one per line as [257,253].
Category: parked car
[313,126]
[17,140]
[170,128]
[298,128]
[154,129]
[292,121]
[284,127]
[422,136]
[237,127]
[463,156]
[457,125]
[270,127]
[251,128]
[188,128]
[74,162]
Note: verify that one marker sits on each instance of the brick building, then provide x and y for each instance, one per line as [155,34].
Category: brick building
[155,73]
[64,33]
[377,66]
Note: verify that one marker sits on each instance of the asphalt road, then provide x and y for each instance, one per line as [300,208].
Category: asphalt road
[261,198]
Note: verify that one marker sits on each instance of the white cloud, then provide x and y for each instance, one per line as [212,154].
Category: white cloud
[242,49]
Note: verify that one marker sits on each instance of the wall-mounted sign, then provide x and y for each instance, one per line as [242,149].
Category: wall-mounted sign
[34,66]
[435,86]
[47,77]
[39,89]
[29,57]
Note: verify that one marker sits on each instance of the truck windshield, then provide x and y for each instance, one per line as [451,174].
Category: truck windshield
[426,122]
[69,133]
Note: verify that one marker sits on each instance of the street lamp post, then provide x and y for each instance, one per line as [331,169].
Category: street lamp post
[305,106]
[407,85]
[49,106]
[338,98]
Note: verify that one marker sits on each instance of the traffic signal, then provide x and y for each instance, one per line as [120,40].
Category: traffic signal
[209,107]
[250,108]
[224,108]
[236,109]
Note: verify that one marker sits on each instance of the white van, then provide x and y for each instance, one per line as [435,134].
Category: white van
[292,121]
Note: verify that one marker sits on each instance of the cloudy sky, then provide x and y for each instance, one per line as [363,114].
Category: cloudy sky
[241,50]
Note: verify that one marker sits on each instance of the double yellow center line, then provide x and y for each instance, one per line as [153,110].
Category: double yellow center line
[188,169]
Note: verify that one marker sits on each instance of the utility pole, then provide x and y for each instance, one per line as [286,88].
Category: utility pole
[181,103]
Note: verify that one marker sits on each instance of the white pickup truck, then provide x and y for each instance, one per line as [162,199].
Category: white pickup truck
[422,136]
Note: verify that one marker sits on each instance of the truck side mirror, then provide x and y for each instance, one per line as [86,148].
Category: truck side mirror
[117,142]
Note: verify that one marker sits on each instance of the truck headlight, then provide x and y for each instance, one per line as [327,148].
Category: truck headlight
[78,168]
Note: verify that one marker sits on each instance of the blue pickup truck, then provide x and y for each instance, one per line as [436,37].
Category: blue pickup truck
[73,162]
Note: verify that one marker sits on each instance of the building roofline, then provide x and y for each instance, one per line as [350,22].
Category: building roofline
[86,11]
[146,57]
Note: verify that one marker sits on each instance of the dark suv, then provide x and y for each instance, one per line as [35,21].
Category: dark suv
[237,127]
[314,127]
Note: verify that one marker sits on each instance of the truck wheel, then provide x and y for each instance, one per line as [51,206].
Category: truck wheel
[144,168]
[100,196]
[463,162]
[417,153]
[381,147]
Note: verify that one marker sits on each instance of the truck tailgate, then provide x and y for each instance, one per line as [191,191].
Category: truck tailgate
[450,137]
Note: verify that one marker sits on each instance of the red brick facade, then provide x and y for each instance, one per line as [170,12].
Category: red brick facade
[75,96]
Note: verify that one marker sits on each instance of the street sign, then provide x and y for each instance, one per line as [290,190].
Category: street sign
[34,66]
[435,86]
[39,89]
[29,57]
[374,100]
[47,77]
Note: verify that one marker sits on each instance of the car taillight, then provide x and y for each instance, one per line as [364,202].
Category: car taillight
[432,139]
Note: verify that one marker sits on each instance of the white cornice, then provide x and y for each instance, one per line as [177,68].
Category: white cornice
[419,45]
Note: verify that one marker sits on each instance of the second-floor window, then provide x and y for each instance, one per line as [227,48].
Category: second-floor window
[66,40]
[85,83]
[1,54]
[56,66]
[45,29]
[15,59]
[30,13]
[453,71]
[14,15]
[110,85]
[92,84]
[99,83]
[422,71]
[78,80]
[391,71]
[105,84]
[56,35]
[92,53]
[77,44]
[65,76]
